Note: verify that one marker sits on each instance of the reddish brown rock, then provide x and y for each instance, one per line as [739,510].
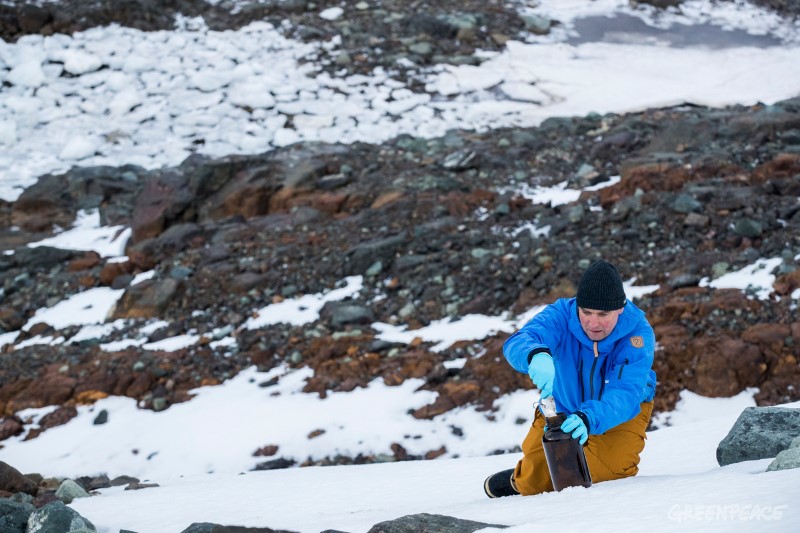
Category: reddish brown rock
[724,367]
[59,417]
[266,451]
[141,384]
[785,165]
[400,453]
[11,319]
[111,271]
[41,207]
[316,433]
[771,336]
[162,199]
[433,454]
[10,427]
[245,198]
[787,283]
[51,389]
[12,480]
[451,394]
[85,262]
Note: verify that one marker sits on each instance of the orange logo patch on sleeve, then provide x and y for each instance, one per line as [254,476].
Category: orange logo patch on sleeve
[637,342]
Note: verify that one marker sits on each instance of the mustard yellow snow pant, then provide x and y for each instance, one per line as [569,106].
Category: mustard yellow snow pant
[612,455]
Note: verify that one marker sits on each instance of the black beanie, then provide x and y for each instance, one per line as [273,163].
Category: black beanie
[600,288]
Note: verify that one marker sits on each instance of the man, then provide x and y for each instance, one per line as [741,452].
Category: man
[594,355]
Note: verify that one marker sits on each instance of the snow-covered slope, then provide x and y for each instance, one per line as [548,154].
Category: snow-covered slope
[680,488]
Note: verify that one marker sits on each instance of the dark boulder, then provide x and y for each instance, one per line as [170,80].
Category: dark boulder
[759,433]
[12,480]
[429,523]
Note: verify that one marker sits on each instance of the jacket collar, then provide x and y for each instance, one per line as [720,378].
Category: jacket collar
[625,325]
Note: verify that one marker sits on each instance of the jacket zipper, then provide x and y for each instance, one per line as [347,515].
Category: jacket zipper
[591,372]
[602,380]
[622,368]
[580,378]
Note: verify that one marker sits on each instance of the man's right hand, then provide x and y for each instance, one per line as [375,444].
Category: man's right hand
[542,371]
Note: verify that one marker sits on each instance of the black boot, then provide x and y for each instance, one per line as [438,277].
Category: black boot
[500,484]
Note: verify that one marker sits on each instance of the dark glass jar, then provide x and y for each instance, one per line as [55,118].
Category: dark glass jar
[565,458]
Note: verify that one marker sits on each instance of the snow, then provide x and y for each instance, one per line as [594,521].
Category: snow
[445,332]
[88,234]
[84,308]
[305,309]
[757,277]
[172,344]
[680,486]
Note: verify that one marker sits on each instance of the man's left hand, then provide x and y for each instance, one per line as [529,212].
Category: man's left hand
[574,425]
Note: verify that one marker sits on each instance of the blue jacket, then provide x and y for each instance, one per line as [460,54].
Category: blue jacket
[605,380]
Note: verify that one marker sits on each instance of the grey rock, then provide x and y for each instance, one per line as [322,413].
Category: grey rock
[719,269]
[146,299]
[275,464]
[42,256]
[121,281]
[624,207]
[786,460]
[537,24]
[21,497]
[429,523]
[375,269]
[747,227]
[423,48]
[407,262]
[180,272]
[55,517]
[160,404]
[461,160]
[684,280]
[93,483]
[759,433]
[69,490]
[575,213]
[101,418]
[696,220]
[684,203]
[343,313]
[207,527]
[435,27]
[363,255]
[14,516]
[123,480]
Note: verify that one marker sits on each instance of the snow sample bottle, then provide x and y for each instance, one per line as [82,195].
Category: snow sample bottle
[565,458]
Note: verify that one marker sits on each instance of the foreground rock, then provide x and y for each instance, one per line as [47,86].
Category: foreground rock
[207,527]
[429,523]
[56,517]
[759,433]
[787,459]
[14,516]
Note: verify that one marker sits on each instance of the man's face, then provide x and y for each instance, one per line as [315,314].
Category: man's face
[598,324]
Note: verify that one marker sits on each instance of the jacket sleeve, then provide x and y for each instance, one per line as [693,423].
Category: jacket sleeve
[626,383]
[541,333]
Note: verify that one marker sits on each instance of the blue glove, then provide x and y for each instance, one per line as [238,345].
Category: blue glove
[542,372]
[573,424]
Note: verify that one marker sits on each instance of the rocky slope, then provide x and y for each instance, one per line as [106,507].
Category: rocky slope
[434,227]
